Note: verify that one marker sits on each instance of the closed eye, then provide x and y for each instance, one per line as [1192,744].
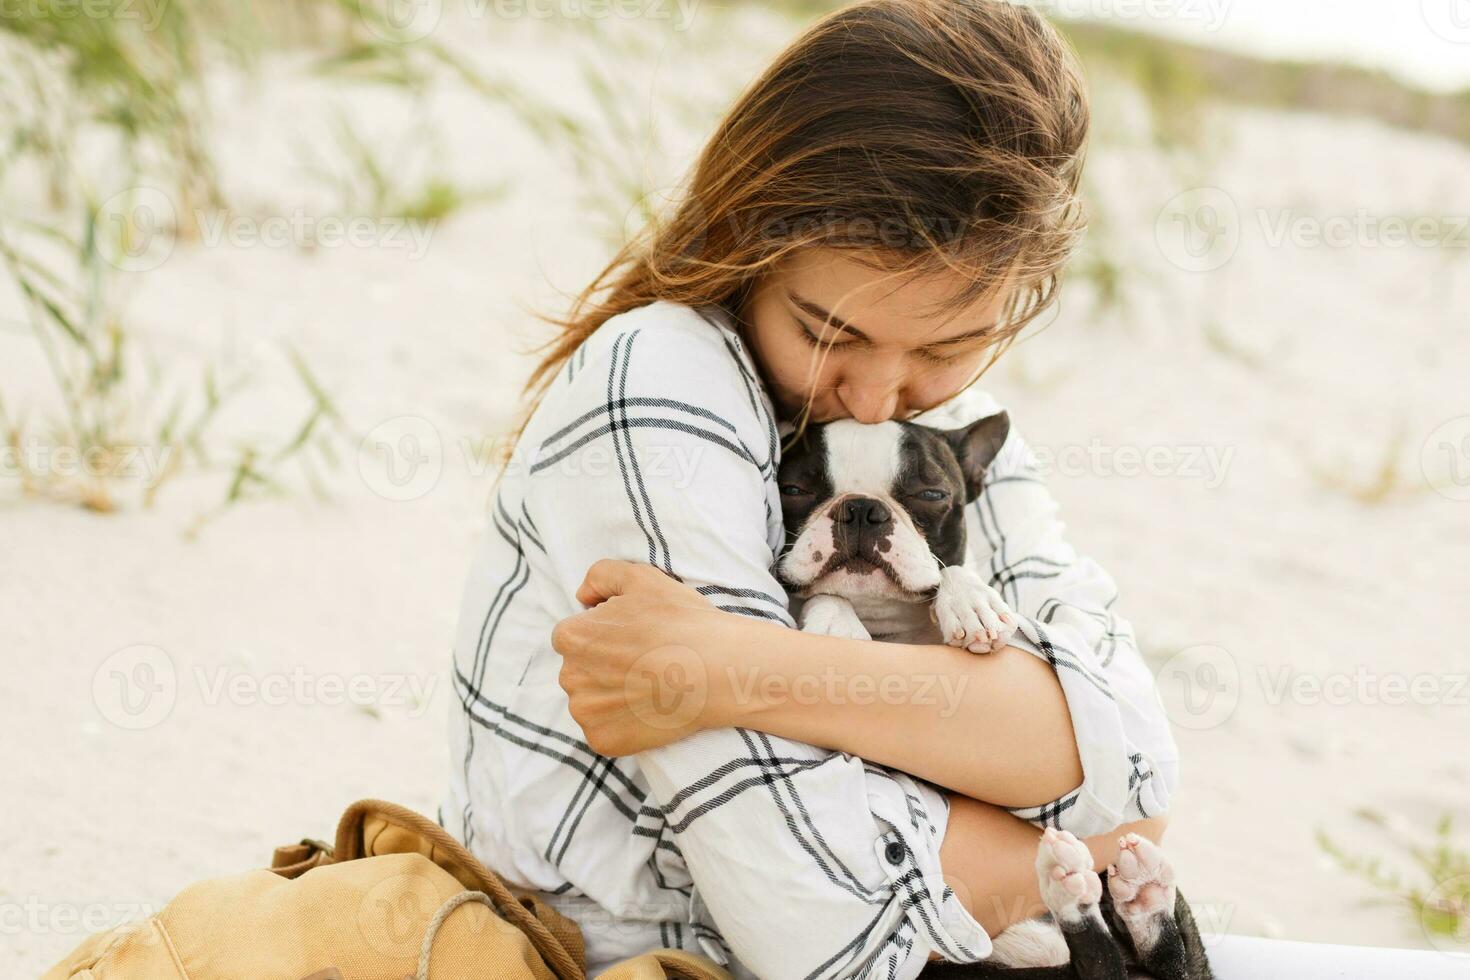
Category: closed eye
[811,338]
[794,490]
[942,355]
[934,356]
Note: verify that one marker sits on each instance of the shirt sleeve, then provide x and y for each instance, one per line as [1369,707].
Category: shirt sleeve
[809,863]
[1067,612]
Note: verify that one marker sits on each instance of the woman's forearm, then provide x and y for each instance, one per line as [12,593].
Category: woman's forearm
[989,860]
[994,727]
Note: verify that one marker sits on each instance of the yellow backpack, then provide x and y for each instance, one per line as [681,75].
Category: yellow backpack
[396,898]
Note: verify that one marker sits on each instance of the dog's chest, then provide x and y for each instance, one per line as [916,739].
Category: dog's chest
[896,621]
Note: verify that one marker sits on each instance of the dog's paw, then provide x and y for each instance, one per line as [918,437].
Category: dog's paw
[1069,886]
[832,615]
[1141,884]
[970,613]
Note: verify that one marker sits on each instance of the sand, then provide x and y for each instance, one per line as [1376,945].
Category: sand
[1208,438]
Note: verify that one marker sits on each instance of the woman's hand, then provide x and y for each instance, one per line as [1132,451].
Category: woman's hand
[637,666]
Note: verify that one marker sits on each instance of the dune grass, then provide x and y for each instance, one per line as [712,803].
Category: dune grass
[1171,71]
[137,77]
[127,424]
[142,82]
[1435,889]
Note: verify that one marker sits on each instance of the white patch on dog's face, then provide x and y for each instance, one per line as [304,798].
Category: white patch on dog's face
[862,462]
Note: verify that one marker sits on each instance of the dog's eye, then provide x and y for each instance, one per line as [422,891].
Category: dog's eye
[793,490]
[932,495]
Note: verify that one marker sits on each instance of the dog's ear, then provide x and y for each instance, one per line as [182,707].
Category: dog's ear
[976,446]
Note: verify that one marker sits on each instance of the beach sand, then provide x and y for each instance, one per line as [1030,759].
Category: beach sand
[1208,438]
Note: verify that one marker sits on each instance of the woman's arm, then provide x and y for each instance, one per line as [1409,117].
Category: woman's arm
[1080,717]
[994,727]
[989,859]
[656,451]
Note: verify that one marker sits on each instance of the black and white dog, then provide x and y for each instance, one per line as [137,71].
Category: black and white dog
[875,548]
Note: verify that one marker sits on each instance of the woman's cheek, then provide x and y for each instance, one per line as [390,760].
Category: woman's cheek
[941,384]
[802,376]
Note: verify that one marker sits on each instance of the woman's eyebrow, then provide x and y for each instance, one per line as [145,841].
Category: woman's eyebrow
[812,309]
[962,338]
[842,326]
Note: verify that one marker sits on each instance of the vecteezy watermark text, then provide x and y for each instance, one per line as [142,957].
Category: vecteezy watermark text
[1364,686]
[34,916]
[147,14]
[1209,14]
[832,687]
[1208,464]
[406,21]
[139,227]
[31,457]
[1202,229]
[299,229]
[137,687]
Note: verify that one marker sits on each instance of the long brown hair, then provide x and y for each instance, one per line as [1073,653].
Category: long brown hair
[931,135]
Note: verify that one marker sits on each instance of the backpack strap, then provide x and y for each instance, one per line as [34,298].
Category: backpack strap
[294,860]
[372,827]
[432,932]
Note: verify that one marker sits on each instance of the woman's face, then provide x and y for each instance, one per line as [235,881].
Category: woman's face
[857,340]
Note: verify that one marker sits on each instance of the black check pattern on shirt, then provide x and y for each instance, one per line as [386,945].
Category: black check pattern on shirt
[764,768]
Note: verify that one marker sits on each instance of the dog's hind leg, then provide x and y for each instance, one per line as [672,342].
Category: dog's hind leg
[1072,890]
[1156,917]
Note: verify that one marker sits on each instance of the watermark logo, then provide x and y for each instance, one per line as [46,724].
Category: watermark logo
[1199,229]
[401,459]
[1445,459]
[658,209]
[1200,687]
[394,912]
[402,21]
[29,456]
[147,14]
[34,916]
[1202,229]
[1445,917]
[667,687]
[1210,465]
[223,684]
[1362,229]
[137,229]
[1208,14]
[136,687]
[300,229]
[407,21]
[1363,686]
[942,692]
[1449,19]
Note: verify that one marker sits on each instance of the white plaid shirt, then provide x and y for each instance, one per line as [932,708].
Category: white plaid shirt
[657,443]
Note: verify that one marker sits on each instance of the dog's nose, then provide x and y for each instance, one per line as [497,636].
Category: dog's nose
[861,512]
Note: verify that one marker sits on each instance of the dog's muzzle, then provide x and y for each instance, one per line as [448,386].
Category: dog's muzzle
[862,529]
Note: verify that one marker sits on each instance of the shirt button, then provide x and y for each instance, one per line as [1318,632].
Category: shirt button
[894,852]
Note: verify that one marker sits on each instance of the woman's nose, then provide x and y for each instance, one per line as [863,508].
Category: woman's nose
[870,403]
[876,393]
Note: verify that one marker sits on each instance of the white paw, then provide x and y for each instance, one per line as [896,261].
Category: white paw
[970,613]
[832,615]
[1069,886]
[1142,882]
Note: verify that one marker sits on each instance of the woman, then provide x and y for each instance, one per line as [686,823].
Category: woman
[868,229]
